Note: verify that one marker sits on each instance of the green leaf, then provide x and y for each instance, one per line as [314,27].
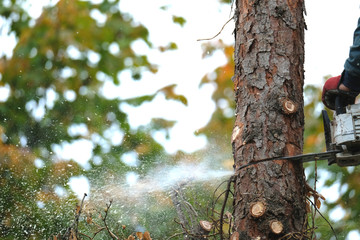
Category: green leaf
[140,100]
[164,7]
[179,20]
[159,123]
[169,93]
[170,46]
[173,46]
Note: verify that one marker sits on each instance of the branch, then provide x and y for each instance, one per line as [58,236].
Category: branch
[313,220]
[86,235]
[196,236]
[188,208]
[214,202]
[74,226]
[332,229]
[177,204]
[175,235]
[78,215]
[205,39]
[296,235]
[231,180]
[96,233]
[113,236]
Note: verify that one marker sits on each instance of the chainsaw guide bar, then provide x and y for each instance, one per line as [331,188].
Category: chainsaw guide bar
[342,139]
[310,157]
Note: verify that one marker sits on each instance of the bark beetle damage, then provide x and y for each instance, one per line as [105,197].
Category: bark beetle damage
[268,82]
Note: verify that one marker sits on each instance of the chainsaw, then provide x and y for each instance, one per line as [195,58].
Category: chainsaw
[342,137]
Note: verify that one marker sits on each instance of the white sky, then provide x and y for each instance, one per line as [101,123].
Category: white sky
[331,24]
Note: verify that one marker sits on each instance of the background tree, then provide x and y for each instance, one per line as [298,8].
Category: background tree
[269,55]
[56,80]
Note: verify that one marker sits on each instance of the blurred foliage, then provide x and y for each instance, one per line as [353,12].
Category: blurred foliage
[227,1]
[219,129]
[222,121]
[314,129]
[170,46]
[16,15]
[56,78]
[29,206]
[179,20]
[168,91]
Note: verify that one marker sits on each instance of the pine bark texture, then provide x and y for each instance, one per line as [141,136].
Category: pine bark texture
[268,84]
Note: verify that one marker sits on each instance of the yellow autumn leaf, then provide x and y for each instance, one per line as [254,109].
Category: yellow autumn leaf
[318,203]
[89,219]
[77,209]
[139,235]
[147,236]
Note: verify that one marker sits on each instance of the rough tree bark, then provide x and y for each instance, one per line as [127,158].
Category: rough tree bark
[269,199]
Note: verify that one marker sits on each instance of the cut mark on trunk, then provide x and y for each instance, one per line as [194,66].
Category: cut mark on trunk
[257,209]
[288,106]
[205,225]
[276,226]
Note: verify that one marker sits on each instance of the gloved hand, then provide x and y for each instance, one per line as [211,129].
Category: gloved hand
[331,91]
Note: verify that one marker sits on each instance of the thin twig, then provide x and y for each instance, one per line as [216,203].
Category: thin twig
[212,199]
[86,235]
[332,229]
[98,231]
[176,202]
[189,209]
[305,229]
[74,225]
[314,215]
[184,228]
[112,235]
[295,235]
[175,235]
[78,215]
[196,236]
[96,224]
[206,39]
[218,197]
[231,180]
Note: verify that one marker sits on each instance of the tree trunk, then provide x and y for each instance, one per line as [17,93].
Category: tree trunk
[269,199]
